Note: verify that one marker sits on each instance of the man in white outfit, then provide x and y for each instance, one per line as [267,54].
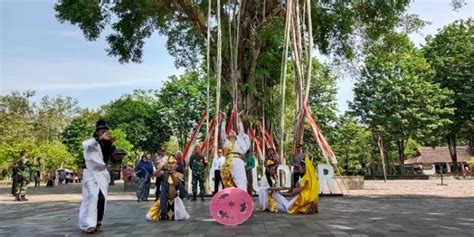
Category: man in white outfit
[96,178]
[217,164]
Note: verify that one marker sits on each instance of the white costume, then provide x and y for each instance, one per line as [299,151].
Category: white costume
[242,143]
[95,178]
[305,202]
[234,151]
[282,204]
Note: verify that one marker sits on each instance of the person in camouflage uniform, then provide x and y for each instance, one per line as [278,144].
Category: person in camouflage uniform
[198,165]
[24,170]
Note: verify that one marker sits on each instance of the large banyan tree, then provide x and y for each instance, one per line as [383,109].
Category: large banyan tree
[253,35]
[252,31]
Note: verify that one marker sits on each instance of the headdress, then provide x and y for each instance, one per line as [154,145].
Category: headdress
[269,163]
[172,160]
[101,125]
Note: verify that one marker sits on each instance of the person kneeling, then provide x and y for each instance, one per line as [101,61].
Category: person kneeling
[305,200]
[169,206]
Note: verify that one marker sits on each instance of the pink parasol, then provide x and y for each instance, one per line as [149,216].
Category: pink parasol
[231,206]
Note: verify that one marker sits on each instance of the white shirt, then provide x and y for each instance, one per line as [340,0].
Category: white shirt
[218,163]
[242,142]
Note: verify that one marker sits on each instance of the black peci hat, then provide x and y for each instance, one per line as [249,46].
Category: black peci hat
[101,125]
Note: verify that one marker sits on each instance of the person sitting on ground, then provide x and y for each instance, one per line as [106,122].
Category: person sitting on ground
[169,206]
[305,200]
[275,162]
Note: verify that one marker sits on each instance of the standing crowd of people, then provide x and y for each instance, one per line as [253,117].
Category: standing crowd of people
[24,171]
[232,167]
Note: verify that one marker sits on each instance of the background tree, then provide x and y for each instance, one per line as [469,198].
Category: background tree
[53,155]
[53,115]
[323,102]
[353,145]
[143,121]
[322,97]
[451,54]
[394,95]
[172,145]
[121,143]
[76,132]
[184,100]
[15,118]
[252,34]
[35,129]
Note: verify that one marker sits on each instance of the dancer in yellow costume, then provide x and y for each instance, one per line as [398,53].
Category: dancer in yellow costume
[169,206]
[233,172]
[306,194]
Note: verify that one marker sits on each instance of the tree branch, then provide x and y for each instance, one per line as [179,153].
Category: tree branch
[193,15]
[278,11]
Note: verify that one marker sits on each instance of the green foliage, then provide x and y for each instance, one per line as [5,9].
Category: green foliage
[54,155]
[183,100]
[74,134]
[338,26]
[322,97]
[143,121]
[120,140]
[333,24]
[52,116]
[411,148]
[35,129]
[172,146]
[451,54]
[121,143]
[16,117]
[10,152]
[394,96]
[411,23]
[352,144]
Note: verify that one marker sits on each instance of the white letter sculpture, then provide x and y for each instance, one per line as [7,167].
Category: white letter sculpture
[326,178]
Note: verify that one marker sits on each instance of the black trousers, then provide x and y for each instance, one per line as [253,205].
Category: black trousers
[217,180]
[269,177]
[296,178]
[37,184]
[158,185]
[100,207]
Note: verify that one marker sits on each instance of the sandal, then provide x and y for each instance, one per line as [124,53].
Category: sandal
[90,230]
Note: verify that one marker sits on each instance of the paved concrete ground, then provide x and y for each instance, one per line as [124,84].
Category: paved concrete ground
[54,212]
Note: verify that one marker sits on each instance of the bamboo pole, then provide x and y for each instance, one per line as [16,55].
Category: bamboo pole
[219,72]
[283,79]
[208,64]
[310,52]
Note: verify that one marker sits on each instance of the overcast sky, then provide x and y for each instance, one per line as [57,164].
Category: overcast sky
[38,53]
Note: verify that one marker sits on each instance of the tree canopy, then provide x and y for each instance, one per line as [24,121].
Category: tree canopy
[252,33]
[451,53]
[394,95]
